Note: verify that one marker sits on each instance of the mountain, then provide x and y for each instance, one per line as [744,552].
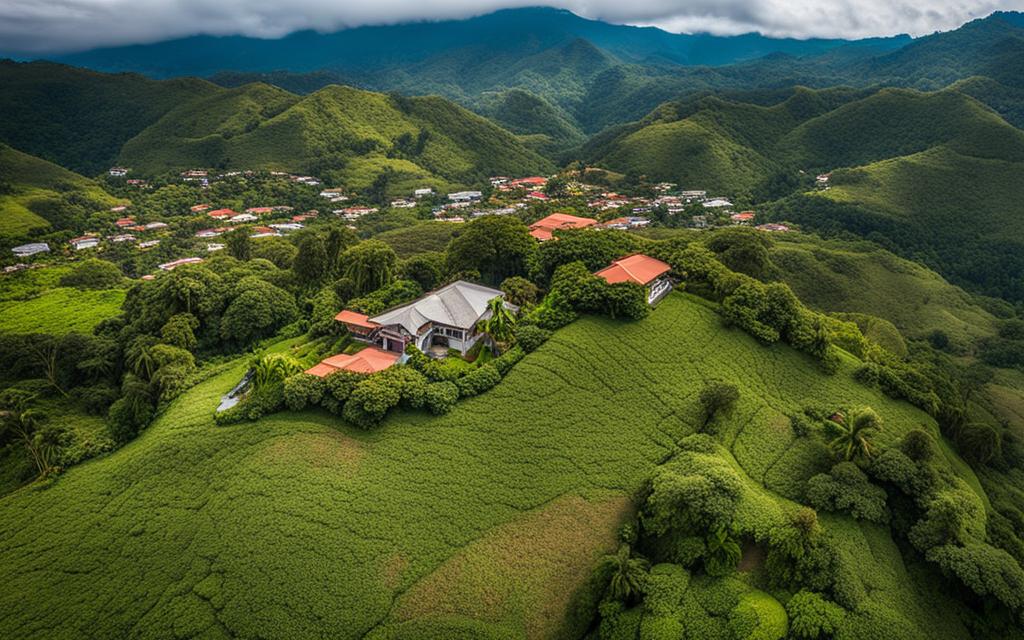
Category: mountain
[30,186]
[88,121]
[78,118]
[349,135]
[508,32]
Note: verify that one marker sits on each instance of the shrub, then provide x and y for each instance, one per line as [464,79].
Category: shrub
[530,337]
[440,397]
[716,397]
[478,381]
[337,387]
[847,489]
[812,617]
[93,274]
[507,360]
[374,396]
[302,390]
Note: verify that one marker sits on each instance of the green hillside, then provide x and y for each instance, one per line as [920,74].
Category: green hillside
[526,114]
[349,134]
[27,183]
[489,518]
[60,311]
[78,118]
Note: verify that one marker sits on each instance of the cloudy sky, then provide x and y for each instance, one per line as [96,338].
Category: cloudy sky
[46,26]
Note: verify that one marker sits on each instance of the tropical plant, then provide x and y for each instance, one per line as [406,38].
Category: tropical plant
[723,552]
[856,432]
[273,369]
[25,423]
[628,574]
[501,322]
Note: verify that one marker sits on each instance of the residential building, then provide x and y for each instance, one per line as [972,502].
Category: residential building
[445,318]
[544,228]
[244,217]
[118,172]
[368,360]
[745,217]
[465,196]
[423,193]
[648,272]
[772,226]
[31,249]
[716,203]
[170,266]
[84,242]
[222,214]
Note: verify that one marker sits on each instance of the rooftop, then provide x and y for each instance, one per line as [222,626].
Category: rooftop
[460,304]
[368,360]
[636,268]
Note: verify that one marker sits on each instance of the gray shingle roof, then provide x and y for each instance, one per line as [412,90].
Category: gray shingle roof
[459,304]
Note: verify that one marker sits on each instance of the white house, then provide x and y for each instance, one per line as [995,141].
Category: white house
[118,172]
[465,196]
[84,242]
[423,193]
[31,249]
[169,266]
[447,317]
[244,217]
[716,203]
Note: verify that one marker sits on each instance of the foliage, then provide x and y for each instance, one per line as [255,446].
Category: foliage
[93,274]
[395,294]
[716,397]
[812,617]
[856,433]
[846,488]
[498,247]
[370,265]
[530,337]
[628,575]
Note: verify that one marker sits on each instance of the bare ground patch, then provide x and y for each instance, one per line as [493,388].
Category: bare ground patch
[524,572]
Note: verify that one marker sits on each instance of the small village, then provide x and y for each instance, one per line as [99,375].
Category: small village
[186,234]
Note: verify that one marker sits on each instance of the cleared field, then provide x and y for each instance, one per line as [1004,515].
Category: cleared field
[59,311]
[298,526]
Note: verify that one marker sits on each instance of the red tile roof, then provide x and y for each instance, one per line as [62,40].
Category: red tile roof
[636,268]
[369,360]
[544,228]
[222,213]
[356,319]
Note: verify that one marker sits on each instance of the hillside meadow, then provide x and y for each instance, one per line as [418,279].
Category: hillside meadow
[61,310]
[486,522]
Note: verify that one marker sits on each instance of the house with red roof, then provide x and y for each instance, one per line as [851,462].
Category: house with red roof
[745,217]
[222,214]
[533,182]
[368,360]
[545,228]
[648,272]
[124,222]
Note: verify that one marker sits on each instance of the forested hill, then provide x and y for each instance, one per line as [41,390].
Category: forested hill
[88,121]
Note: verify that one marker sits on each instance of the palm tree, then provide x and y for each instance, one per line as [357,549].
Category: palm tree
[856,434]
[628,574]
[25,422]
[501,323]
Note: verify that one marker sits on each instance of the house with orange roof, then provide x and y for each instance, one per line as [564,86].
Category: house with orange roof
[744,217]
[367,361]
[544,229]
[648,272]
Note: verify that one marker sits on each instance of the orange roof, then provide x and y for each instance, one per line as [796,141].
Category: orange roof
[369,360]
[544,228]
[636,268]
[357,319]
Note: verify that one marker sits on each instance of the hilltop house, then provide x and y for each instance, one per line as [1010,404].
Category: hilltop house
[544,228]
[447,317]
[643,270]
[84,242]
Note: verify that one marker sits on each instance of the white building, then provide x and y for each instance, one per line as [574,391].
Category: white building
[465,196]
[31,249]
[84,242]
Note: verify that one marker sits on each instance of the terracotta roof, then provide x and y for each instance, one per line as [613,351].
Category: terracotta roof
[369,360]
[636,268]
[357,319]
[544,228]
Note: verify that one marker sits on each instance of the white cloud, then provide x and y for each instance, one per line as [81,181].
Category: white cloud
[64,25]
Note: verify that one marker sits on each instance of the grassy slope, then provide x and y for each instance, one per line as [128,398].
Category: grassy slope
[61,310]
[31,179]
[298,524]
[861,278]
[257,126]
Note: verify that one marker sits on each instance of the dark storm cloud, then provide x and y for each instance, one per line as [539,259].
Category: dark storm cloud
[40,26]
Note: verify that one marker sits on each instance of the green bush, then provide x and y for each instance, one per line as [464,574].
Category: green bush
[812,617]
[530,337]
[93,274]
[440,397]
[302,390]
[847,489]
[478,381]
[507,360]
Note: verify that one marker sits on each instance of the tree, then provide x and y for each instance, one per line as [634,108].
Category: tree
[496,246]
[338,239]
[716,397]
[370,265]
[239,244]
[980,443]
[812,617]
[501,323]
[47,353]
[310,264]
[273,369]
[277,250]
[520,291]
[628,574]
[427,269]
[179,331]
[257,312]
[856,432]
[743,250]
[93,274]
[26,423]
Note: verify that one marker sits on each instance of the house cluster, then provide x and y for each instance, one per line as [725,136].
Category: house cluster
[450,318]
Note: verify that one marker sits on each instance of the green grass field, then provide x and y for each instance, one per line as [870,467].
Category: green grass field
[487,519]
[61,310]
